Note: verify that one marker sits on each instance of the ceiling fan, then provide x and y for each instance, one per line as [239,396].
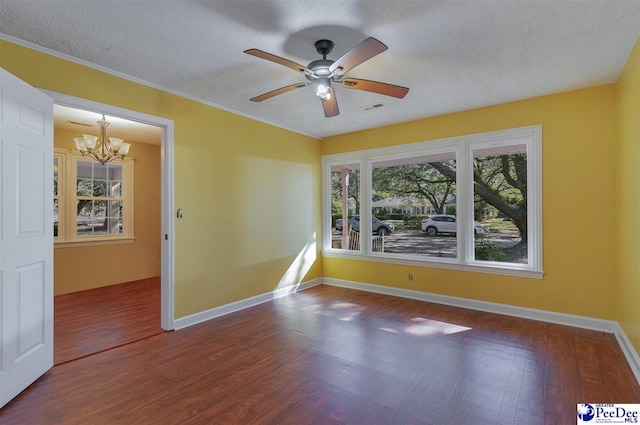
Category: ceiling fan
[323,72]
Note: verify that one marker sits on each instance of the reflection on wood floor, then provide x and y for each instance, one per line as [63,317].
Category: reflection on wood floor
[330,355]
[91,321]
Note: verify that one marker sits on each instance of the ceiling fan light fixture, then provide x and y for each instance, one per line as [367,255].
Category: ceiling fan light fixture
[322,91]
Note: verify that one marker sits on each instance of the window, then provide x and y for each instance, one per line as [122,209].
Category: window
[468,203]
[93,202]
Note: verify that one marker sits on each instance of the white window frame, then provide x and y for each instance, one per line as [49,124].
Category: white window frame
[463,146]
[67,225]
[346,159]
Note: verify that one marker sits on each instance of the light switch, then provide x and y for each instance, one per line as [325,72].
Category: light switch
[179,213]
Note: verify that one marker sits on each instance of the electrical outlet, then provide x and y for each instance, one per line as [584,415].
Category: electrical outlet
[410,277]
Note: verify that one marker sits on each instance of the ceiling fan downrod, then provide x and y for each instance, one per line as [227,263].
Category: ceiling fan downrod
[324,47]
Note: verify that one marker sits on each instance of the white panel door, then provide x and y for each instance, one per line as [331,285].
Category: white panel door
[26,235]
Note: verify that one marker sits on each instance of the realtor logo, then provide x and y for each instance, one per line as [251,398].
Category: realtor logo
[586,412]
[589,414]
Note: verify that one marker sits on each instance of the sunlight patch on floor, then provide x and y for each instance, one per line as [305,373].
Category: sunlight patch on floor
[421,327]
[339,309]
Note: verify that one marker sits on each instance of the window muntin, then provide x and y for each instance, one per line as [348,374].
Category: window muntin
[470,150]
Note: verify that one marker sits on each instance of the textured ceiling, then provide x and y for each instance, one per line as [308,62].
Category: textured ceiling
[453,55]
[85,122]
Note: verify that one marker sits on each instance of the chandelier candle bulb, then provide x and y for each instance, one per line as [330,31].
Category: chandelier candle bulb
[80,144]
[124,150]
[116,144]
[90,141]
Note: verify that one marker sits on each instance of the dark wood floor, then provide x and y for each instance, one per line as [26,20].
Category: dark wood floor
[336,356]
[90,321]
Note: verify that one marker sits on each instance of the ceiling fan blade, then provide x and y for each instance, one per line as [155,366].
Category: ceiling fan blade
[330,105]
[376,87]
[276,92]
[354,57]
[277,59]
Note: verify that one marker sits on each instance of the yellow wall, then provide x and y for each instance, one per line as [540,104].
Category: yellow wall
[126,262]
[579,140]
[628,184]
[250,192]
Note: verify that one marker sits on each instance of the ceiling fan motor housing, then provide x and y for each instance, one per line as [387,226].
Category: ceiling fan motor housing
[320,68]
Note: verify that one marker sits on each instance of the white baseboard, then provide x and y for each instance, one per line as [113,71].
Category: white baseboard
[203,316]
[601,325]
[509,310]
[629,352]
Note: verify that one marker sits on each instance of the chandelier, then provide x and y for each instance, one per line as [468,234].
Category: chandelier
[101,149]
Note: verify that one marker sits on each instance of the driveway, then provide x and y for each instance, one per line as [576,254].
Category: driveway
[418,243]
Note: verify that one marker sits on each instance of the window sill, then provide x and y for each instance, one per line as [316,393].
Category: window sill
[448,265]
[91,242]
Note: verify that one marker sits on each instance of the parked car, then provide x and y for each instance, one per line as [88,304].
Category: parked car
[377,226]
[442,223]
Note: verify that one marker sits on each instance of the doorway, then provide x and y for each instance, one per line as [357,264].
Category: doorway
[164,283]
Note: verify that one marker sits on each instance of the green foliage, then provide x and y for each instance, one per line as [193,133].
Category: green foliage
[383,215]
[413,221]
[487,250]
[502,226]
[418,182]
[336,207]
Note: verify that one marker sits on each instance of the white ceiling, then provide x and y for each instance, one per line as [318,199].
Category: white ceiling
[454,55]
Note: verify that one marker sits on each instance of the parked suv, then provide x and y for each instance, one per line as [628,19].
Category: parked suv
[442,223]
[377,226]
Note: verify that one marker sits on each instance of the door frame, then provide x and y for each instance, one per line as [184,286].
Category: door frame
[167,189]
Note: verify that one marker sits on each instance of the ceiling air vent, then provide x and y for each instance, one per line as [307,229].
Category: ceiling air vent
[371,107]
[79,123]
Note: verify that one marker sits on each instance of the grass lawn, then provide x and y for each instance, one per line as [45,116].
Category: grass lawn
[499,226]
